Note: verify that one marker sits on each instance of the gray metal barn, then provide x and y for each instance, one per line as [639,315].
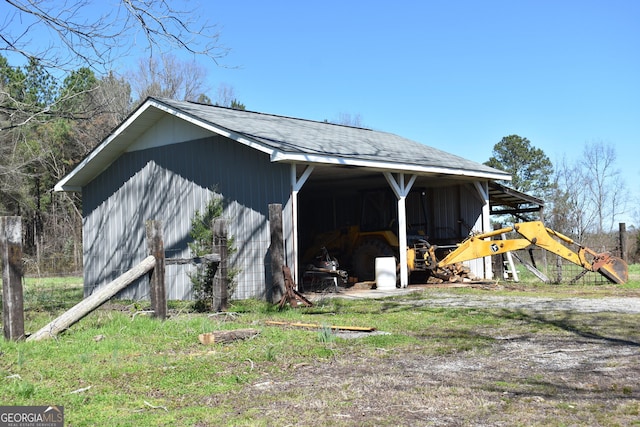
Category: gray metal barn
[168,158]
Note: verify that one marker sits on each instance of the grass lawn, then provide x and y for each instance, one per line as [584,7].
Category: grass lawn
[118,366]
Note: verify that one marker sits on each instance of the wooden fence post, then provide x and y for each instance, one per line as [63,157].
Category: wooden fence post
[157,292]
[623,240]
[276,249]
[12,296]
[559,272]
[221,279]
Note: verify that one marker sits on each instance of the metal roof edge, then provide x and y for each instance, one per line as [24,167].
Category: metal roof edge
[280,157]
[517,193]
[95,153]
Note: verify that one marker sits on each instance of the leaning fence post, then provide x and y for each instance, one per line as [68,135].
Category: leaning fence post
[156,279]
[93,301]
[12,295]
[221,279]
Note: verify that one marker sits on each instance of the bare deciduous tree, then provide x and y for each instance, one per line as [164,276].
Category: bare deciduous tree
[46,126]
[589,194]
[63,36]
[91,33]
[569,213]
[168,77]
[605,189]
[226,94]
[348,119]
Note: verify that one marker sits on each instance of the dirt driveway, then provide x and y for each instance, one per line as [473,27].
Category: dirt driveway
[584,370]
[630,305]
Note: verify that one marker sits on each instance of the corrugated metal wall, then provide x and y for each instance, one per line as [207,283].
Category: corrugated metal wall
[170,183]
[456,213]
[453,212]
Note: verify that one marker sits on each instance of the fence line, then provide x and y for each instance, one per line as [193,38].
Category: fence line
[154,264]
[556,268]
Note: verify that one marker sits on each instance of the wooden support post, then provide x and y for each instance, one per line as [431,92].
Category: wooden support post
[12,295]
[276,249]
[221,278]
[93,301]
[157,292]
[623,241]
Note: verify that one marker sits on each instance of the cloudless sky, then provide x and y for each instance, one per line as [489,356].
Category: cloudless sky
[455,75]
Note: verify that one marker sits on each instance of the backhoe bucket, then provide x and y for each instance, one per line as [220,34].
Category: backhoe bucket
[615,269]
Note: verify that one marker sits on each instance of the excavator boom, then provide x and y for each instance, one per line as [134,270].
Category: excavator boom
[535,233]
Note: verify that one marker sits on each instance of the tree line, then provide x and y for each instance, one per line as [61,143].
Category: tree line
[59,97]
[585,198]
[49,125]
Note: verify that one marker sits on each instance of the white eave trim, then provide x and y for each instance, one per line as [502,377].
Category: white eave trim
[61,185]
[279,156]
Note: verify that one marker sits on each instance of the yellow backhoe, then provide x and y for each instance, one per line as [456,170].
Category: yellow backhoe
[532,233]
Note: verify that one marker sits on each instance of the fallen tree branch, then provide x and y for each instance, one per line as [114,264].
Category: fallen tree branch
[155,407]
[562,350]
[80,390]
[227,336]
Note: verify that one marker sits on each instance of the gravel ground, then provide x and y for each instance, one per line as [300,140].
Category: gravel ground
[629,305]
[582,305]
[584,372]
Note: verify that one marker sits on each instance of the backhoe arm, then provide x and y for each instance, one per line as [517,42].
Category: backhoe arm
[476,247]
[540,235]
[535,233]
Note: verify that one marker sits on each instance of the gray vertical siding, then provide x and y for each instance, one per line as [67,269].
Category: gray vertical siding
[445,208]
[455,211]
[471,214]
[170,183]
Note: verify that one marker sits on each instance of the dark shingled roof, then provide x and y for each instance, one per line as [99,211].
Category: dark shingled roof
[285,139]
[290,135]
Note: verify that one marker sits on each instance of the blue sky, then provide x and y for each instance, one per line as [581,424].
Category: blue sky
[456,75]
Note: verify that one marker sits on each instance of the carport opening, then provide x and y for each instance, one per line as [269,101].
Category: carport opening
[354,225]
[352,213]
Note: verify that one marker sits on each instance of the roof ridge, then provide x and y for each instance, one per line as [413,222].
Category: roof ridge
[170,100]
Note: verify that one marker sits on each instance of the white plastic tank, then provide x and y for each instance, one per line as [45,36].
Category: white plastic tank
[386,273]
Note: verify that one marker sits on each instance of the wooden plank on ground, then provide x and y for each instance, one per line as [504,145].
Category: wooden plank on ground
[317,326]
